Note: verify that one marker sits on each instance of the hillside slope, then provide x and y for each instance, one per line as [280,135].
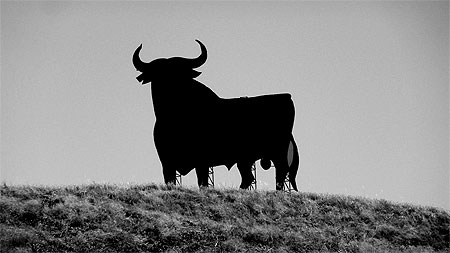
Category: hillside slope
[157,218]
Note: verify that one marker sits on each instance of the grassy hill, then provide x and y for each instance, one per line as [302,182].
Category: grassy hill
[158,218]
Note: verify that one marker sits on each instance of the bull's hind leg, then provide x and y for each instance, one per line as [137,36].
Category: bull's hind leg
[202,176]
[281,169]
[281,164]
[286,161]
[170,174]
[245,168]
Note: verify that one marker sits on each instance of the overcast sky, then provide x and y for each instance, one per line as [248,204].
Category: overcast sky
[370,82]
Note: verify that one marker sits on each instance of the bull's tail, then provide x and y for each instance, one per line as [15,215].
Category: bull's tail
[293,162]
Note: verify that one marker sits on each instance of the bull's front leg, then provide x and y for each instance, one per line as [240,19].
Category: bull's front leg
[245,168]
[202,176]
[169,173]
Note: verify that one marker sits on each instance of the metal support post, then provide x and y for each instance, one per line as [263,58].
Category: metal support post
[253,186]
[178,179]
[211,177]
[287,186]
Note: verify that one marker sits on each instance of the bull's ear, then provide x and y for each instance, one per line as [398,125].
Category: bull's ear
[194,73]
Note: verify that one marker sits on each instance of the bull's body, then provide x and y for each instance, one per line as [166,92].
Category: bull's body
[195,128]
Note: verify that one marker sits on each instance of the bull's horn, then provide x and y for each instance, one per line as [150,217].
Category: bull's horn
[197,62]
[138,64]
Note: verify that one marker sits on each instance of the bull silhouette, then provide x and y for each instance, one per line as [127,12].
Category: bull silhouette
[195,128]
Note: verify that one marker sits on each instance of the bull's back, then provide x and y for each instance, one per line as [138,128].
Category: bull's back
[255,124]
[276,110]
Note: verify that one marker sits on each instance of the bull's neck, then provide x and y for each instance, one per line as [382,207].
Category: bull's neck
[168,99]
[175,97]
[158,99]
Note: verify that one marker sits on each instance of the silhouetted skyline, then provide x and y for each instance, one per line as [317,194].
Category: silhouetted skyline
[195,128]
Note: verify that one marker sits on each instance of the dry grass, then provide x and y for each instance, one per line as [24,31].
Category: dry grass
[157,218]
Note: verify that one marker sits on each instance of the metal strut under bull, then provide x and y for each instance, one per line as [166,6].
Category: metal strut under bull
[253,185]
[178,179]
[287,186]
[211,177]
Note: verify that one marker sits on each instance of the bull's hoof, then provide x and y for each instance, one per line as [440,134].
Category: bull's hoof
[171,187]
[246,185]
[203,187]
[279,186]
[171,183]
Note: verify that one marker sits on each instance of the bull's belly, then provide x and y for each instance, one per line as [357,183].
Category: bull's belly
[205,149]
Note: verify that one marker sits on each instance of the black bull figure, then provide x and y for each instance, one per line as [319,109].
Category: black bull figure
[195,128]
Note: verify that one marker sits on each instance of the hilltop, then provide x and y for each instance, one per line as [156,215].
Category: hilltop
[159,218]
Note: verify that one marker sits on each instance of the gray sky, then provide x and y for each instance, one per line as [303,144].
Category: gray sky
[370,82]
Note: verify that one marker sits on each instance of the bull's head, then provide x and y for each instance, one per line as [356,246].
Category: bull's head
[163,68]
